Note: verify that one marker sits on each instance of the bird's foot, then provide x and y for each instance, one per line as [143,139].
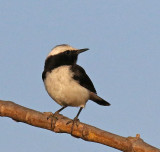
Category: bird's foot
[53,117]
[74,121]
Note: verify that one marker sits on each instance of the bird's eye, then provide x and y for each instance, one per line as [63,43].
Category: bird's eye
[67,52]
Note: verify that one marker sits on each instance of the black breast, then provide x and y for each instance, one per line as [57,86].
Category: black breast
[55,61]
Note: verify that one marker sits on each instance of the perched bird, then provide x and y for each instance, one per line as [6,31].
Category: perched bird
[66,82]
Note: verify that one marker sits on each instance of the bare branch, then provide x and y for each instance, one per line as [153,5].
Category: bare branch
[81,130]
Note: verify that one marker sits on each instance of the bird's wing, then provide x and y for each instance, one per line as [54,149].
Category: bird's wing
[83,79]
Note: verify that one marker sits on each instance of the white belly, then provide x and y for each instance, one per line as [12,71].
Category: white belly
[65,90]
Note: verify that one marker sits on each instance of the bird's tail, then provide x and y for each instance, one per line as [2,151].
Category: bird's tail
[98,99]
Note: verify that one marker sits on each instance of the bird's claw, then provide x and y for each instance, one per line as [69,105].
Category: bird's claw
[53,117]
[74,121]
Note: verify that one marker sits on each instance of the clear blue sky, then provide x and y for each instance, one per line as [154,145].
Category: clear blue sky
[123,62]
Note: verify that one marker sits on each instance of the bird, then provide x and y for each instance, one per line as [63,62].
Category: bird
[67,82]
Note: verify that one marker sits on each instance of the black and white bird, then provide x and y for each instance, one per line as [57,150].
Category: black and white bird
[66,82]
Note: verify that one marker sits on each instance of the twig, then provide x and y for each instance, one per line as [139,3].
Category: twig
[81,130]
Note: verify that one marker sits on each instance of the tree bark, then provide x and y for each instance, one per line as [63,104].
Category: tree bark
[80,130]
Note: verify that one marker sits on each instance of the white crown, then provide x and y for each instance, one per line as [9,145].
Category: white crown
[61,48]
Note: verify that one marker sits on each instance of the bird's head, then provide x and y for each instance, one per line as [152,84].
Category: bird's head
[65,53]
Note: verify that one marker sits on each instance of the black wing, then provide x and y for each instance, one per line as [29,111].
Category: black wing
[81,76]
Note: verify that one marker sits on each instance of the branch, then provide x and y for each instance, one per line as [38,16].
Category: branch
[81,130]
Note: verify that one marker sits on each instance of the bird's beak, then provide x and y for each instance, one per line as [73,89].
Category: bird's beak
[82,50]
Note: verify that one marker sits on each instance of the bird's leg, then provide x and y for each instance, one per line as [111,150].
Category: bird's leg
[75,119]
[54,116]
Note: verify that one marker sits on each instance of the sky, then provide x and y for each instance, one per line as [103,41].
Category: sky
[123,63]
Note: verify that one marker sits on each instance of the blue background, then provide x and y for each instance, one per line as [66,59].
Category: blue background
[123,62]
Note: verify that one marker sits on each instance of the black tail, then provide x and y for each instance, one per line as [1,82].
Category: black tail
[98,99]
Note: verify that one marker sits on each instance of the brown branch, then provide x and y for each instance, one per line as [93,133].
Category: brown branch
[81,130]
